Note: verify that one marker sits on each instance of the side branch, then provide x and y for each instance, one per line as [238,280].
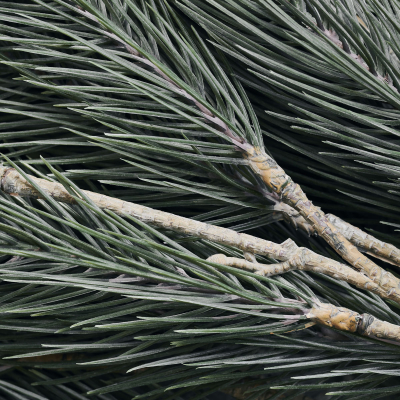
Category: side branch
[13,183]
[311,218]
[290,193]
[363,241]
[303,259]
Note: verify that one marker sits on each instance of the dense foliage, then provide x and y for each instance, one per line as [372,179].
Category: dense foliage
[109,96]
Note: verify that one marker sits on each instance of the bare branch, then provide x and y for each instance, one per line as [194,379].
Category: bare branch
[365,242]
[290,193]
[303,259]
[347,320]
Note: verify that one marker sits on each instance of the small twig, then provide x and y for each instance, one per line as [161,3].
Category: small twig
[13,183]
[334,37]
[303,259]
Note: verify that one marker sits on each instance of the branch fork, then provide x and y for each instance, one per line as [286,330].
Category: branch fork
[294,203]
[303,259]
[291,193]
[292,257]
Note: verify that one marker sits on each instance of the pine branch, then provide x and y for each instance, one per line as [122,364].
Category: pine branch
[12,182]
[302,259]
[17,183]
[288,211]
[275,179]
[278,182]
[290,84]
[166,82]
[342,44]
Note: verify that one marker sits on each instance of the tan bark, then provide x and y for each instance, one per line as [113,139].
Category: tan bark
[279,182]
[373,327]
[293,217]
[347,320]
[304,259]
[363,241]
[335,317]
[13,183]
[311,218]
[371,245]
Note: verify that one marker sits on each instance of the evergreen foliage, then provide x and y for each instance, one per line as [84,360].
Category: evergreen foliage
[112,97]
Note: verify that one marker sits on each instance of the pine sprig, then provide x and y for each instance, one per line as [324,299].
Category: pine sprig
[307,95]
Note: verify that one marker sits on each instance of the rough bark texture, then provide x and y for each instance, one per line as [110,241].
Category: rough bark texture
[335,317]
[363,241]
[274,176]
[374,327]
[16,185]
[304,259]
[13,183]
[347,320]
[291,193]
[371,245]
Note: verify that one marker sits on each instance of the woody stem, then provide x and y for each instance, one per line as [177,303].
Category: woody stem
[302,259]
[17,183]
[347,320]
[290,193]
